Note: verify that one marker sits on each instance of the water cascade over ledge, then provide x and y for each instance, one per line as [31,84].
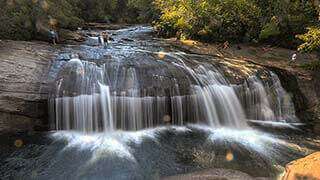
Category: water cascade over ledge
[142,86]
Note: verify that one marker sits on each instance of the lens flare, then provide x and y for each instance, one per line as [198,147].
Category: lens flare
[161,55]
[229,156]
[18,143]
[167,119]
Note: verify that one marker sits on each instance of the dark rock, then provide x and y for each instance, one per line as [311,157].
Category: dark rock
[127,39]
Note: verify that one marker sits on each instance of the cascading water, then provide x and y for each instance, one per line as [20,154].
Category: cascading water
[140,87]
[90,103]
[267,101]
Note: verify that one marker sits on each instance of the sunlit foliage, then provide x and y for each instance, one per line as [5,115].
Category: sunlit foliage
[311,40]
[311,43]
[236,20]
[212,20]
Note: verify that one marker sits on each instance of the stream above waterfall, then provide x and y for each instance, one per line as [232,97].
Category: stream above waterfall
[143,109]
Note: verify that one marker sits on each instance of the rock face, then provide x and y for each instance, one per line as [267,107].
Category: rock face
[23,85]
[305,168]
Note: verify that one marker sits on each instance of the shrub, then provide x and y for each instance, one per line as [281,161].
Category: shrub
[270,29]
[311,40]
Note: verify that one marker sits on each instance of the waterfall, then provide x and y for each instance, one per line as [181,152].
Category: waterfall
[89,97]
[266,101]
[144,88]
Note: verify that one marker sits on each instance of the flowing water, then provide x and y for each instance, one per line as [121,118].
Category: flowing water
[142,109]
[139,84]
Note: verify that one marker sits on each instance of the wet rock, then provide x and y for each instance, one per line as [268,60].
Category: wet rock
[304,168]
[210,174]
[23,85]
[127,39]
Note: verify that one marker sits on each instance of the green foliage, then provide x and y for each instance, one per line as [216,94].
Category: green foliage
[292,17]
[31,19]
[123,11]
[235,20]
[98,10]
[145,10]
[270,29]
[64,13]
[27,19]
[275,21]
[311,40]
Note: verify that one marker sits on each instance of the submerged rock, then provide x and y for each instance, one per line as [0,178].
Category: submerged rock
[304,168]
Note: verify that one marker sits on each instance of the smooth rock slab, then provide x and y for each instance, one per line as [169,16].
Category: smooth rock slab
[23,85]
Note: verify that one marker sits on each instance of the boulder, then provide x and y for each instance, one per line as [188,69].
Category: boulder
[304,168]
